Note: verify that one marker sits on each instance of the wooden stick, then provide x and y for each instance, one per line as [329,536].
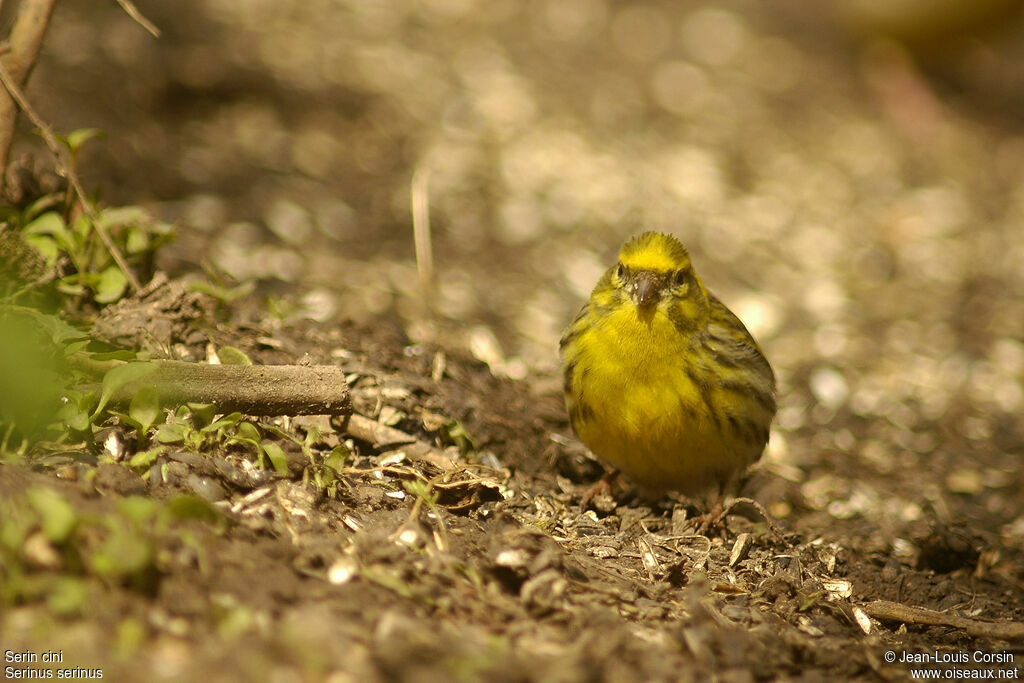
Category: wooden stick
[250,389]
[894,611]
[382,436]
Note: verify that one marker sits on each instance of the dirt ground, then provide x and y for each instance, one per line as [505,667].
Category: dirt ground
[505,576]
[856,199]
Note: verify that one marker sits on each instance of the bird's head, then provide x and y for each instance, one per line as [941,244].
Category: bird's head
[654,269]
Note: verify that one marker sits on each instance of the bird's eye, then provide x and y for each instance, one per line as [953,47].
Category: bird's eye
[620,271]
[679,278]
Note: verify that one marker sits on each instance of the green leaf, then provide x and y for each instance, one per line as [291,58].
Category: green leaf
[56,516]
[50,223]
[202,413]
[313,435]
[123,215]
[247,431]
[454,433]
[36,208]
[82,229]
[67,595]
[422,490]
[74,347]
[131,635]
[111,285]
[45,245]
[119,377]
[229,355]
[77,410]
[137,241]
[277,457]
[195,442]
[13,531]
[335,460]
[273,430]
[144,459]
[235,622]
[78,236]
[58,330]
[71,285]
[32,379]
[127,419]
[123,553]
[172,432]
[224,295]
[192,507]
[138,509]
[77,138]
[223,424]
[145,408]
[74,416]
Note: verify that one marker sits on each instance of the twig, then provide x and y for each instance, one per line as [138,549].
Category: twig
[250,389]
[371,431]
[894,611]
[757,506]
[61,153]
[132,11]
[21,50]
[421,230]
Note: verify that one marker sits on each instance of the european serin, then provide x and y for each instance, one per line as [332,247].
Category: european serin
[662,381]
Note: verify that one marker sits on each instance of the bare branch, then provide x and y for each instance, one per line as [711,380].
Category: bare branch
[24,42]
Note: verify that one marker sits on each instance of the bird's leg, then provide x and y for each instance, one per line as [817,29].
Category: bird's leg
[718,512]
[715,514]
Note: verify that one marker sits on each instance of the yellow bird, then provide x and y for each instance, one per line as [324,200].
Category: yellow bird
[662,381]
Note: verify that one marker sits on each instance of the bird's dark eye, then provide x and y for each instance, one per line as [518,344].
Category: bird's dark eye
[621,271]
[679,277]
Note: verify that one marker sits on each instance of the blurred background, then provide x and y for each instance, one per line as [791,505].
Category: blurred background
[848,176]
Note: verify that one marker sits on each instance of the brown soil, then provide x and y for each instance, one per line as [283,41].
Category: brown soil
[504,577]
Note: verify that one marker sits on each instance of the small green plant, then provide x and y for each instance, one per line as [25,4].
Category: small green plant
[69,237]
[56,252]
[57,394]
[50,549]
[422,491]
[324,472]
[196,427]
[453,433]
[72,247]
[328,472]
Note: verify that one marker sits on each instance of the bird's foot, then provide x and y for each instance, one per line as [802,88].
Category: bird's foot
[716,515]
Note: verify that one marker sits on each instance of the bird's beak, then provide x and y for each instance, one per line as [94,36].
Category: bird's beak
[645,289]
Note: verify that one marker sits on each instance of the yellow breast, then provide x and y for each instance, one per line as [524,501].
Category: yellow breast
[648,397]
